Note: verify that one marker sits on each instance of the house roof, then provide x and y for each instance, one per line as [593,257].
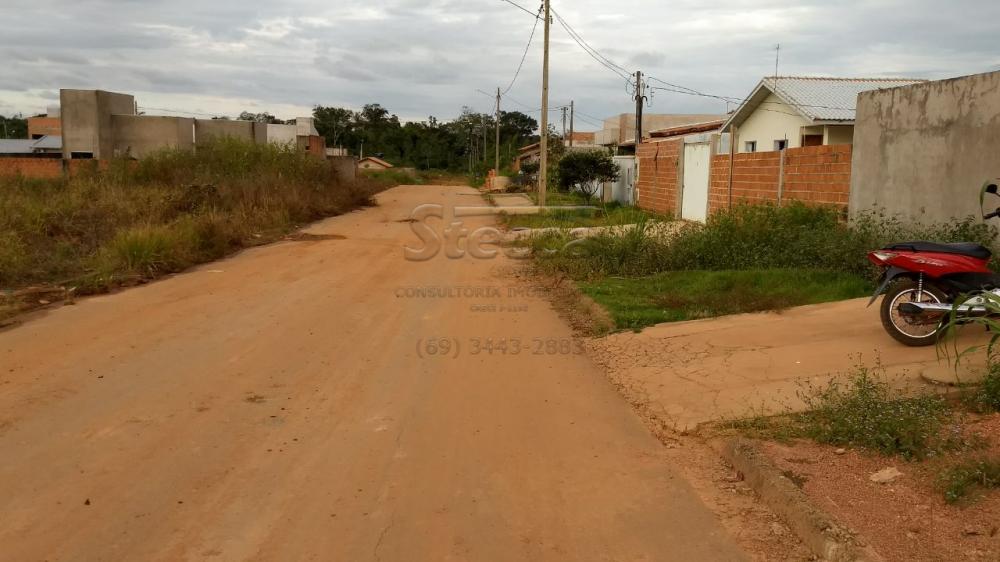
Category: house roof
[30,146]
[378,161]
[817,99]
[682,130]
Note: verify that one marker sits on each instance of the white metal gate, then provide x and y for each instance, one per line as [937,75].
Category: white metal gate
[623,190]
[694,198]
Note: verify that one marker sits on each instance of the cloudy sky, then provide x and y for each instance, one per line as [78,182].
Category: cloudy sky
[428,57]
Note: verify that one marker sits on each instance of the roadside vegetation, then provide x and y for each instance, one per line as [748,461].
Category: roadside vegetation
[137,220]
[397,176]
[862,410]
[782,246]
[672,296]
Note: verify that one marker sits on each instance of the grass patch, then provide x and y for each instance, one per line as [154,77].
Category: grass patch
[611,214]
[959,481]
[863,411]
[401,176]
[690,295]
[135,220]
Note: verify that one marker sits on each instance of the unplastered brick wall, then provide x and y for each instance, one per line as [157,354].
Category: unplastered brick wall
[47,168]
[814,174]
[31,167]
[658,175]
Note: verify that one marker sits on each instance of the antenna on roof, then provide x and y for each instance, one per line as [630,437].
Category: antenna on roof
[777,53]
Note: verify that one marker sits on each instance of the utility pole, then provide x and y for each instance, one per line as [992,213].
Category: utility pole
[571,111]
[496,164]
[638,109]
[543,165]
[564,108]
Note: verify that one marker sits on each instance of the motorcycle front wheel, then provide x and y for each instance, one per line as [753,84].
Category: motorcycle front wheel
[908,329]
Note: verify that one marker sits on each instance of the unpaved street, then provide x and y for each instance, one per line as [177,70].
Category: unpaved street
[276,406]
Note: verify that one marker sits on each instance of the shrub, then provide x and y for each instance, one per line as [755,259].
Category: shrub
[959,481]
[863,411]
[763,237]
[584,169]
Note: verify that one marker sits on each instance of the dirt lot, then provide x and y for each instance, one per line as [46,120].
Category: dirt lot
[294,402]
[906,519]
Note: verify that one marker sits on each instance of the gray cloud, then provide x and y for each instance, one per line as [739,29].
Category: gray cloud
[428,57]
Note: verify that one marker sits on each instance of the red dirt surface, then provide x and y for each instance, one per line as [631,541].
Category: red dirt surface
[907,519]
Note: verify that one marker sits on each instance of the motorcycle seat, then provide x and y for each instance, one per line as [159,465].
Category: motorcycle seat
[970,249]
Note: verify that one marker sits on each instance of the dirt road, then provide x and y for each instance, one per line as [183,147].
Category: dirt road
[294,403]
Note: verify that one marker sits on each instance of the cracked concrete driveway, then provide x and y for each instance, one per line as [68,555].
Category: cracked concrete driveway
[687,373]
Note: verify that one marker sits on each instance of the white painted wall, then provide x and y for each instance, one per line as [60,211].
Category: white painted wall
[839,134]
[281,134]
[771,121]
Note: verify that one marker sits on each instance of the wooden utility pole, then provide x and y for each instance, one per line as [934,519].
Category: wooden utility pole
[638,109]
[496,165]
[571,110]
[564,108]
[544,145]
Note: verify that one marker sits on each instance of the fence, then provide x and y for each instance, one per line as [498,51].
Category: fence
[818,175]
[46,168]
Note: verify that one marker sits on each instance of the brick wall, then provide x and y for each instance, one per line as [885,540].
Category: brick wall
[658,175]
[31,167]
[812,174]
[47,168]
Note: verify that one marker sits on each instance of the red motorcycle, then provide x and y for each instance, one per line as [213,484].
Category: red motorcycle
[923,280]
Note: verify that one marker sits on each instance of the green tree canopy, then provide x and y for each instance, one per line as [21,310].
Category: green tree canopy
[585,169]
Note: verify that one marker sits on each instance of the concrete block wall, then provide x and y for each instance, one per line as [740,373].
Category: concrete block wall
[924,151]
[205,129]
[659,176]
[140,135]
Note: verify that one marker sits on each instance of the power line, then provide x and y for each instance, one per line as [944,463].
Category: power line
[594,53]
[525,55]
[692,92]
[522,8]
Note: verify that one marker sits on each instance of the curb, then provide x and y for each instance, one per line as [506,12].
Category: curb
[818,530]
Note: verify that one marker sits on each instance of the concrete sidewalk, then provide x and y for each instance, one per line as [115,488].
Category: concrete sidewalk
[687,373]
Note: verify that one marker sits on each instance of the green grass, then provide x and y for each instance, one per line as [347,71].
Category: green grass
[863,410]
[688,295]
[610,215]
[397,176]
[959,481]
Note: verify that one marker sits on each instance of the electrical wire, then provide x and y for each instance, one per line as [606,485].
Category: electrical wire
[522,8]
[525,55]
[594,53]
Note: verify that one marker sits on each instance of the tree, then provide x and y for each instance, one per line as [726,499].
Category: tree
[260,118]
[336,124]
[586,169]
[14,127]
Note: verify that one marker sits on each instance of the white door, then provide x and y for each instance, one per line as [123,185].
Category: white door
[694,200]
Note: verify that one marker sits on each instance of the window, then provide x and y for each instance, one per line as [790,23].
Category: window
[781,144]
[750,146]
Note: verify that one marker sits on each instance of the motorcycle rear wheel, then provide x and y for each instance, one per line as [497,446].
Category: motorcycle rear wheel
[906,331]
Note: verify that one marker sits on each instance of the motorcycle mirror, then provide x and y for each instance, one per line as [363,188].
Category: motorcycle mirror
[988,187]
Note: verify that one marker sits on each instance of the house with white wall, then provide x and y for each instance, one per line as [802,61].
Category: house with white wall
[793,111]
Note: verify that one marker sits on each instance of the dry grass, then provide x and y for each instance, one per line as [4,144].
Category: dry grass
[139,220]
